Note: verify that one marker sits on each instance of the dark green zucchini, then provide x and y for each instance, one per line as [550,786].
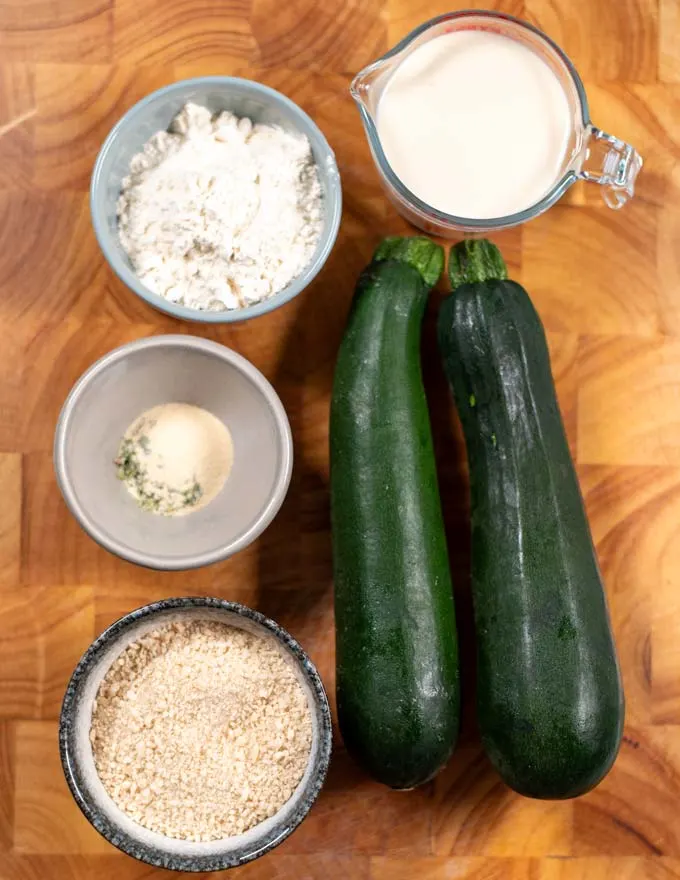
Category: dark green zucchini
[397,657]
[549,695]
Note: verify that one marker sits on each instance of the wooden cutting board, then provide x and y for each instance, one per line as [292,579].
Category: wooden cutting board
[608,288]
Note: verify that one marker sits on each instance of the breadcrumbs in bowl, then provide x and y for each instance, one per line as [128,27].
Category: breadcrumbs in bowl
[195,734]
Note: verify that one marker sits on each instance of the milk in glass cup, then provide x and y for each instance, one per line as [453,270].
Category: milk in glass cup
[478,121]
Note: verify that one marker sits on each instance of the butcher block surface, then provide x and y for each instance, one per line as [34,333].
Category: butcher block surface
[607,285]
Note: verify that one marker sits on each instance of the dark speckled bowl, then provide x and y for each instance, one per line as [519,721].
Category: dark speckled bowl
[101,811]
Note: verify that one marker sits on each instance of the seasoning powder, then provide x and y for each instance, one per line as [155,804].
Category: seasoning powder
[175,458]
[201,730]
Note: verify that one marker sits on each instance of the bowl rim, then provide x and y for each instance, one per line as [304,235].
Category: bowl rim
[119,838]
[190,561]
[227,316]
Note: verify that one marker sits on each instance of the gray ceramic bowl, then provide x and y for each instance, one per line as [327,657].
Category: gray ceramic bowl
[102,812]
[164,369]
[155,113]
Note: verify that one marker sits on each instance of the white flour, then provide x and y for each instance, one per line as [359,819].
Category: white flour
[219,213]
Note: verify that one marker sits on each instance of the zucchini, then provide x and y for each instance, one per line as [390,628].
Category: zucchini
[396,647]
[549,695]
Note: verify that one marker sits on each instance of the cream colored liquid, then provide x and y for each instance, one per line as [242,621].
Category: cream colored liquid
[475,124]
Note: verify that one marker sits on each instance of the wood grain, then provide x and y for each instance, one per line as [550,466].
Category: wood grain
[182,30]
[608,41]
[669,38]
[629,400]
[608,296]
[39,650]
[342,36]
[7,787]
[632,811]
[475,814]
[46,818]
[10,519]
[607,286]
[476,868]
[17,128]
[68,30]
[668,260]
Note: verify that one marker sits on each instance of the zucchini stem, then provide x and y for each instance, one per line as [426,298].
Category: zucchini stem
[417,251]
[475,260]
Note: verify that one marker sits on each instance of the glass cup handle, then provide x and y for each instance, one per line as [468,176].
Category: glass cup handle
[613,164]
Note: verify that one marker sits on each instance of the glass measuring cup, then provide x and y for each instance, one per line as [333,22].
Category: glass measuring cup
[591,154]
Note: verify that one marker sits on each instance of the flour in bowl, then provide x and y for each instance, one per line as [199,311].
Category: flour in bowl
[219,213]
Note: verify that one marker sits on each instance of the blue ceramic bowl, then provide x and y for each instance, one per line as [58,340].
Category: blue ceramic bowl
[99,808]
[155,113]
